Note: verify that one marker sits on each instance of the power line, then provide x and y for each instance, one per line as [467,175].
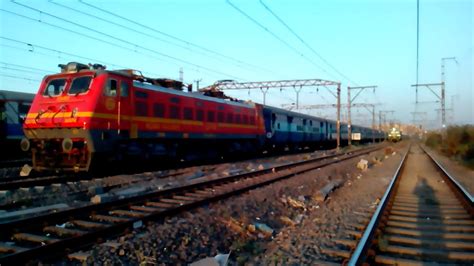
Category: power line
[110,36]
[34,46]
[129,28]
[276,36]
[302,41]
[27,67]
[170,36]
[18,77]
[20,70]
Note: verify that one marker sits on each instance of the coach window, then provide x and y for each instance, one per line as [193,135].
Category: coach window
[124,89]
[174,112]
[158,110]
[23,109]
[174,99]
[188,113]
[111,88]
[55,87]
[80,85]
[210,116]
[141,94]
[141,109]
[200,115]
[245,119]
[237,119]
[230,118]
[252,120]
[220,117]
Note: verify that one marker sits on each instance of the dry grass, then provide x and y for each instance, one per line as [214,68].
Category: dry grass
[456,142]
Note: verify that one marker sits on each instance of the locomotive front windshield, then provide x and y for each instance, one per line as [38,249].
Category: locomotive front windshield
[55,87]
[80,85]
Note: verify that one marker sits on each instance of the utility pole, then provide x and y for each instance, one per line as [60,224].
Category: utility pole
[443,87]
[430,86]
[383,113]
[338,124]
[349,103]
[197,83]
[181,73]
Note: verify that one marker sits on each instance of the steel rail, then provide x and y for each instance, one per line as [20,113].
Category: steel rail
[458,187]
[208,193]
[364,244]
[361,251]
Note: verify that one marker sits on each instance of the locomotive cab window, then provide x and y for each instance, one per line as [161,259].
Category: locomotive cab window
[111,88]
[55,87]
[80,85]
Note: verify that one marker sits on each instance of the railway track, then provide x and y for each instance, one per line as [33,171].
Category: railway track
[425,217]
[15,181]
[14,163]
[64,231]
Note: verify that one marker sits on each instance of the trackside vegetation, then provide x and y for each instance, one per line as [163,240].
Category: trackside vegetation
[456,142]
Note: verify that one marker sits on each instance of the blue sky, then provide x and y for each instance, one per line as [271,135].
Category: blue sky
[371,42]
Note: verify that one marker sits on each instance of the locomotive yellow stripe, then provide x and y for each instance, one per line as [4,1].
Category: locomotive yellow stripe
[30,119]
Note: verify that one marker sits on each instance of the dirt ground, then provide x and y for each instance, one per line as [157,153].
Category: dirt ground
[284,222]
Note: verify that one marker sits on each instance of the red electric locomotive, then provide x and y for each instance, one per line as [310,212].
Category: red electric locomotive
[87,112]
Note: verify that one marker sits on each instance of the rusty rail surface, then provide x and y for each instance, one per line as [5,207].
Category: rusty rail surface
[40,237]
[429,226]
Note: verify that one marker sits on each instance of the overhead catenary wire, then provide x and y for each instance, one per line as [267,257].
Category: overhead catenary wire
[21,70]
[289,46]
[135,45]
[134,30]
[18,77]
[26,67]
[305,43]
[57,51]
[34,47]
[172,36]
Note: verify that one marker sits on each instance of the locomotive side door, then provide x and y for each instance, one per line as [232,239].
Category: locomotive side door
[110,105]
[124,111]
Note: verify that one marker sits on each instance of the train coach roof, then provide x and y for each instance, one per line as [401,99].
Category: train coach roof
[16,96]
[295,114]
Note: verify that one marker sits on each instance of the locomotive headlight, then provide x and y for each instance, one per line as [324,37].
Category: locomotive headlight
[67,144]
[74,112]
[25,144]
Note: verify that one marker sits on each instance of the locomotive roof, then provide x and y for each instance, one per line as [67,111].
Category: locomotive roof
[196,95]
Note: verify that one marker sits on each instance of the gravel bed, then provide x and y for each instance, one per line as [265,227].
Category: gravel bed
[81,192]
[461,173]
[281,222]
